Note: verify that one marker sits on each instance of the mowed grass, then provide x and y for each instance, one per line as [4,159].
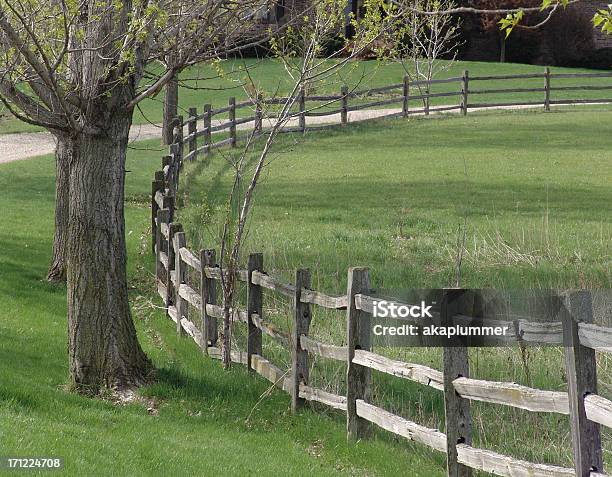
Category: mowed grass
[215,84]
[525,195]
[530,189]
[204,421]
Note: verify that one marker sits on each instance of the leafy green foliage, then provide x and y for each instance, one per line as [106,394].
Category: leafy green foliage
[508,23]
[603,20]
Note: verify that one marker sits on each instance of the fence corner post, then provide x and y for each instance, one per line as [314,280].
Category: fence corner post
[581,370]
[457,409]
[192,130]
[301,324]
[254,306]
[232,121]
[207,127]
[465,83]
[547,89]
[406,95]
[208,291]
[358,378]
[344,110]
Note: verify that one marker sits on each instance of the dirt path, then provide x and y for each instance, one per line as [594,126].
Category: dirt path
[18,146]
[15,147]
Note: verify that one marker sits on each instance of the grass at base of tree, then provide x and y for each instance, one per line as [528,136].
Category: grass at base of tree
[205,421]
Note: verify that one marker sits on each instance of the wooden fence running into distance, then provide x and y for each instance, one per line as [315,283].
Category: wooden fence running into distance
[401,94]
[176,266]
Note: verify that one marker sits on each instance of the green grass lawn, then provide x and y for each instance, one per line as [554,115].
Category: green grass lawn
[205,85]
[532,188]
[207,422]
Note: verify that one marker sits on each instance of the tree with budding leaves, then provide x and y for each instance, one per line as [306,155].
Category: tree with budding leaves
[79,68]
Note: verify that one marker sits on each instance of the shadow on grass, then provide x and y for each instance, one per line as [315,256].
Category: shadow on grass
[365,194]
[234,387]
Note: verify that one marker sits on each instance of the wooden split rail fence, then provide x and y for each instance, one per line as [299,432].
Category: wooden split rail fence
[198,128]
[176,265]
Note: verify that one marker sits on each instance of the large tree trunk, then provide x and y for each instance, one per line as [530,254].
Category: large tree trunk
[64,151]
[103,347]
[170,110]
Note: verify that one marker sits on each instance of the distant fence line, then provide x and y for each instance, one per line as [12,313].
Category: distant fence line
[402,94]
[185,278]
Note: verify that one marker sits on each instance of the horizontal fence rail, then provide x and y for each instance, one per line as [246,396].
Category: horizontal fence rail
[188,284]
[335,108]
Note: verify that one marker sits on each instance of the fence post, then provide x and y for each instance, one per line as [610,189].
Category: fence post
[254,305]
[547,89]
[344,111]
[163,217]
[182,307]
[457,409]
[207,126]
[258,114]
[168,176]
[232,120]
[178,138]
[168,203]
[406,95]
[170,290]
[175,161]
[301,324]
[208,289]
[465,80]
[192,130]
[358,378]
[581,369]
[156,186]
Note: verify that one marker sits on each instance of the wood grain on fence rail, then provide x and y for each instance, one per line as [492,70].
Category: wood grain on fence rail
[332,400]
[400,426]
[415,372]
[338,353]
[271,330]
[505,466]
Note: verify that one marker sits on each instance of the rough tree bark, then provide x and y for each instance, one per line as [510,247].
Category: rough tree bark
[103,347]
[64,152]
[170,110]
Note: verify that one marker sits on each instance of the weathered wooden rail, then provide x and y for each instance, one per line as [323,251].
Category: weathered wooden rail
[176,266]
[198,129]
